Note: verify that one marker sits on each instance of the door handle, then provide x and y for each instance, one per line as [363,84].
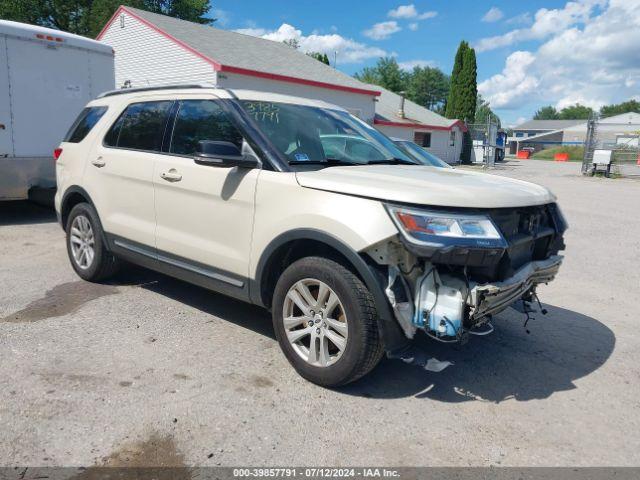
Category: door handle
[98,162]
[171,176]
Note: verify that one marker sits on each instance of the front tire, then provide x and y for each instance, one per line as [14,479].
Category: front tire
[85,245]
[325,321]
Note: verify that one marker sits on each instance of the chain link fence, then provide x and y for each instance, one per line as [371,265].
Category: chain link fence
[611,148]
[488,142]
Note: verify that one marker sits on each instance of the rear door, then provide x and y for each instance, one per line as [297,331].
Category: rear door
[204,213]
[6,145]
[119,172]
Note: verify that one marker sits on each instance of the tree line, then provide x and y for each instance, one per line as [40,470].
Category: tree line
[582,112]
[87,17]
[455,96]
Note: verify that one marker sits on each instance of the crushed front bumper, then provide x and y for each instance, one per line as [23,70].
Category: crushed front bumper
[492,298]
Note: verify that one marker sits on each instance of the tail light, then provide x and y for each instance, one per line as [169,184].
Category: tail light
[56,153]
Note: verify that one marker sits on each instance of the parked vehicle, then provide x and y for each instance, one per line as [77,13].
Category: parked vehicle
[235,191]
[46,78]
[418,153]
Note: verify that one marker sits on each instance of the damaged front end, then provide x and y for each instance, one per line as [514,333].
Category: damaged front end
[449,270]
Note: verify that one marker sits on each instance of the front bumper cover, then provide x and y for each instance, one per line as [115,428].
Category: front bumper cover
[492,298]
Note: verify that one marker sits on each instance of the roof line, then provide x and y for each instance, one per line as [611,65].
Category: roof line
[388,123]
[286,78]
[230,68]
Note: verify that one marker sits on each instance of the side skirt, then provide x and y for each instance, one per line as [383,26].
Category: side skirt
[196,273]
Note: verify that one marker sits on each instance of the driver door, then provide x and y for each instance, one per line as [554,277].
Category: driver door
[204,214]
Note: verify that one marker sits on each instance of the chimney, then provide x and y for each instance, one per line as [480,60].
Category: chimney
[401,110]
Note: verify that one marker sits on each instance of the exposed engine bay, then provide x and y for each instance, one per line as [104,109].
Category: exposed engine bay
[451,286]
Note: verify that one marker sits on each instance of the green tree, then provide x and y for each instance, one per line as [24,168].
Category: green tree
[292,42]
[619,108]
[321,57]
[483,111]
[463,95]
[428,86]
[547,113]
[87,17]
[576,112]
[387,73]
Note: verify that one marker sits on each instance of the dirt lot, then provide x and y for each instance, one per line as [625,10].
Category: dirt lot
[149,370]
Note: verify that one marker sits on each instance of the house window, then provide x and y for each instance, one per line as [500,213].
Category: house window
[121,20]
[519,134]
[452,138]
[422,138]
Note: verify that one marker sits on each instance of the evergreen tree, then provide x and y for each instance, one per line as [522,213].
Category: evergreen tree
[428,86]
[463,95]
[321,57]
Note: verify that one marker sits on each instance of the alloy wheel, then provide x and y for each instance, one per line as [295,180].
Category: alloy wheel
[315,322]
[82,242]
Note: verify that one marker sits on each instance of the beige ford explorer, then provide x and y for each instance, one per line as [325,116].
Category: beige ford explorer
[300,207]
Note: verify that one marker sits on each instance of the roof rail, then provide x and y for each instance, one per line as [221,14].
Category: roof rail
[122,91]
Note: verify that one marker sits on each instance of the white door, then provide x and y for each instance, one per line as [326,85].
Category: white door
[6,145]
[119,172]
[204,214]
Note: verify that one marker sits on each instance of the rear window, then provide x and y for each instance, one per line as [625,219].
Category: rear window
[87,119]
[140,127]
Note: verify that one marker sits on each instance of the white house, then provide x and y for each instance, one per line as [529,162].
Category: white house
[153,49]
[401,118]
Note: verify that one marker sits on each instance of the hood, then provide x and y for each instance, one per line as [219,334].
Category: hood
[422,185]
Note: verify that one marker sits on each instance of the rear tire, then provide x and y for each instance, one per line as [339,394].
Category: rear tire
[341,321]
[85,245]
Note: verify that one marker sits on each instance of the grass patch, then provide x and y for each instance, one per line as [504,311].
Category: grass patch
[575,153]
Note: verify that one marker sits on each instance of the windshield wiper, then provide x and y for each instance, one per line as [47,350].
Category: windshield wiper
[391,161]
[328,161]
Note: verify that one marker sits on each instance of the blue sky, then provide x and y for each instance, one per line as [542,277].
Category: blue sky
[530,53]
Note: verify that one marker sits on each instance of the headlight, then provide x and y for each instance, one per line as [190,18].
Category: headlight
[441,229]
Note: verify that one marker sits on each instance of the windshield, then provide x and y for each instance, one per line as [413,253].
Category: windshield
[420,154]
[307,135]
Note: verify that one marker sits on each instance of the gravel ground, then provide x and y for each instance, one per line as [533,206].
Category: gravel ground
[148,370]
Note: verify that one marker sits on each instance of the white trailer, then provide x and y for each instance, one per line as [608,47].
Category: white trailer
[46,78]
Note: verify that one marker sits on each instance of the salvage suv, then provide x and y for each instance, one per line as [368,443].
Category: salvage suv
[300,207]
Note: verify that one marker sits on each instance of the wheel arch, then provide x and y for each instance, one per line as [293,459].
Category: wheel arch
[295,244]
[73,196]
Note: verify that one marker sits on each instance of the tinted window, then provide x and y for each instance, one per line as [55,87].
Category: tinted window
[140,127]
[201,120]
[84,123]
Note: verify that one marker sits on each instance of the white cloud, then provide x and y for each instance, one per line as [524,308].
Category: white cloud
[521,19]
[410,64]
[413,26]
[410,12]
[349,51]
[382,30]
[222,17]
[493,15]
[514,85]
[595,63]
[546,23]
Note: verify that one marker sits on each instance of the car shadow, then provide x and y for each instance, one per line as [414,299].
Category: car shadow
[240,313]
[561,347]
[25,213]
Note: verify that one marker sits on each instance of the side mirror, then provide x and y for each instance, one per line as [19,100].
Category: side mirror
[223,154]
